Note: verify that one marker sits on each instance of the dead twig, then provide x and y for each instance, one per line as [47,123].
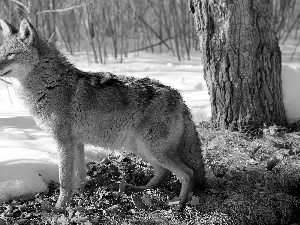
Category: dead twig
[295,49]
[5,81]
[65,9]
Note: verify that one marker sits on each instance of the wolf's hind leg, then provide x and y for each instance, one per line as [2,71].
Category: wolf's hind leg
[183,173]
[161,174]
[79,167]
[173,163]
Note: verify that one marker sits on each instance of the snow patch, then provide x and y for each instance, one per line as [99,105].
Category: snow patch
[291,92]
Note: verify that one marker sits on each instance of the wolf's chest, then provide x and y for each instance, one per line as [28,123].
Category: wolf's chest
[40,107]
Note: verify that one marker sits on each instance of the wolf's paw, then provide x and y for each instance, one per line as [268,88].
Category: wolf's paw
[59,208]
[62,203]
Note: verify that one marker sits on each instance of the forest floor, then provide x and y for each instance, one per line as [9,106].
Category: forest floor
[251,179]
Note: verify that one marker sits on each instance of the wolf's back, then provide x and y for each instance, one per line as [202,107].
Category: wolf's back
[108,107]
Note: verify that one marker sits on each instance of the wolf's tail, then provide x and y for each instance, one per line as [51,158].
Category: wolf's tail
[191,150]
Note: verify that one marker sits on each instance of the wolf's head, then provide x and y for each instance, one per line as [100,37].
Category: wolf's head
[18,53]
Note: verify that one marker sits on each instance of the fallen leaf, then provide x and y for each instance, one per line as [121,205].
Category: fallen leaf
[138,202]
[112,209]
[147,200]
[46,206]
[174,201]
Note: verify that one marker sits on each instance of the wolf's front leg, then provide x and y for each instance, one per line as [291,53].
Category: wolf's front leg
[66,172]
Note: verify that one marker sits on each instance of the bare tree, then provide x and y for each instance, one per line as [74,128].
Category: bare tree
[119,27]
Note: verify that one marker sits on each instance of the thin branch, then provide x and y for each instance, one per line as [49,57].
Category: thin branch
[295,50]
[63,10]
[21,4]
[5,81]
[150,46]
[147,25]
[51,39]
[291,28]
[161,42]
[9,92]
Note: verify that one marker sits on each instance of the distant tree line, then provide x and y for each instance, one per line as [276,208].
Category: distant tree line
[117,27]
[286,18]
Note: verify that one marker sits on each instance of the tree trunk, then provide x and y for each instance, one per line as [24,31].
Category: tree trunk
[53,26]
[176,27]
[242,62]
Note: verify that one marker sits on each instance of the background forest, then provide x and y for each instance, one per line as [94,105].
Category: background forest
[103,28]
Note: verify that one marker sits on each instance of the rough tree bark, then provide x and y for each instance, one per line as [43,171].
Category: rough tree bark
[242,62]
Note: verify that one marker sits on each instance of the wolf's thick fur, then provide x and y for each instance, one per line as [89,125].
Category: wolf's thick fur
[76,107]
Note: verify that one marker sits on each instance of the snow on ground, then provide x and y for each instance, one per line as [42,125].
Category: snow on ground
[291,91]
[28,158]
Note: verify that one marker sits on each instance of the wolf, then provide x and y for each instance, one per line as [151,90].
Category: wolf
[115,112]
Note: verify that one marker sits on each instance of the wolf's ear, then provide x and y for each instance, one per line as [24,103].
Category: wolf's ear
[7,29]
[27,32]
